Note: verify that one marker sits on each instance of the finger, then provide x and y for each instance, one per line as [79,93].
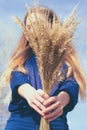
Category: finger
[54,114]
[37,109]
[50,101]
[43,94]
[54,117]
[52,107]
[38,104]
[39,98]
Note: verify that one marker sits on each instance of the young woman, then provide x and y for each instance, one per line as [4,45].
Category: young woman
[29,102]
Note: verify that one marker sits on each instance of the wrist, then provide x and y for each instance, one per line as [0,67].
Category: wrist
[26,90]
[64,98]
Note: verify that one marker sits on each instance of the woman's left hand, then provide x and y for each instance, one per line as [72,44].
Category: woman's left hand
[54,106]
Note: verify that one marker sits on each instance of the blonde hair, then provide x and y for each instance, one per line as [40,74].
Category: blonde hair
[76,69]
[24,51]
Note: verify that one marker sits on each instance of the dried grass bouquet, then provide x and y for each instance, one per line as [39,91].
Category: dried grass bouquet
[50,44]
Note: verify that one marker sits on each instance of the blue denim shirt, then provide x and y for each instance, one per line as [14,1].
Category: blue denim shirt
[19,105]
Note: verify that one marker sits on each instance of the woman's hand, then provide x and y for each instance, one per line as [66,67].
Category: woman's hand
[35,98]
[48,107]
[54,106]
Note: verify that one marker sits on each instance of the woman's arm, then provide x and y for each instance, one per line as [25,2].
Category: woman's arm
[20,86]
[35,98]
[54,105]
[65,100]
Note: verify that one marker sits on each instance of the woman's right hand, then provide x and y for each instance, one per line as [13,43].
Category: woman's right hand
[35,98]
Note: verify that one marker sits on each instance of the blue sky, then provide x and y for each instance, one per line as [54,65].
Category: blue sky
[10,31]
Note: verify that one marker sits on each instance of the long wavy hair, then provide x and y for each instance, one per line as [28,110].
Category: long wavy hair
[24,51]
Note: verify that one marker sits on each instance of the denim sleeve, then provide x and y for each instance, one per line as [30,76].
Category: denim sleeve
[17,79]
[72,88]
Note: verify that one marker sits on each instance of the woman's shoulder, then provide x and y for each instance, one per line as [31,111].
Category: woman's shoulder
[30,63]
[31,60]
[64,67]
